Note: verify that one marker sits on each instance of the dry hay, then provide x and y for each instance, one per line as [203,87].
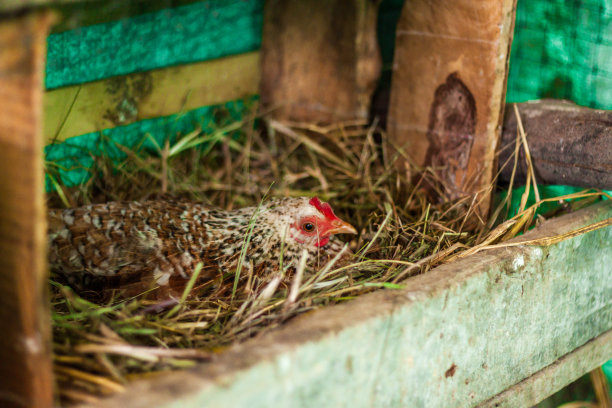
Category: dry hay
[98,348]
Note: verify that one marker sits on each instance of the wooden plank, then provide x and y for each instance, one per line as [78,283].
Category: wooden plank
[320,59]
[24,310]
[453,337]
[122,100]
[569,144]
[551,379]
[197,32]
[448,88]
[75,14]
[7,6]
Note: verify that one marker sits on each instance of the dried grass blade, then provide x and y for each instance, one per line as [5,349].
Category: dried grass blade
[601,387]
[297,279]
[323,272]
[433,258]
[151,354]
[184,141]
[245,246]
[78,396]
[308,142]
[522,221]
[270,288]
[530,168]
[60,191]
[547,241]
[188,288]
[378,231]
[108,385]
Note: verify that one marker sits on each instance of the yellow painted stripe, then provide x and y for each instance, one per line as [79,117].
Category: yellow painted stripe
[118,101]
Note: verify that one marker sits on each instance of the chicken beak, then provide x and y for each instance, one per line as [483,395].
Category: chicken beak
[341,227]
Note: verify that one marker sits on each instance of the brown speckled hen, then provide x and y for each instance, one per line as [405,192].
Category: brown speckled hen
[139,245]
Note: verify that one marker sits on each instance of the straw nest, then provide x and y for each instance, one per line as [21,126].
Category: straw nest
[98,348]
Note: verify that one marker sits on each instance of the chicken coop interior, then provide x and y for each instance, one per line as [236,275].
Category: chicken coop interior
[453,160]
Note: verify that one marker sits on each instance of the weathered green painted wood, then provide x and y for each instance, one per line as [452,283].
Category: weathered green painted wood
[454,337]
[196,32]
[554,377]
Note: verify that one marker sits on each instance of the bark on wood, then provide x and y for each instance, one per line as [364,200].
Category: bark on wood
[448,88]
[320,59]
[569,145]
[25,342]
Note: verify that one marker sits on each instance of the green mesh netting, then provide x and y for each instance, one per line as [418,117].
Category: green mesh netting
[562,49]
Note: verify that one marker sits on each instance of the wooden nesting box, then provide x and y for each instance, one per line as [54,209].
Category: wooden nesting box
[504,327]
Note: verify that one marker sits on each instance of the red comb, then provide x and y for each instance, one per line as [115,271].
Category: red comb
[324,208]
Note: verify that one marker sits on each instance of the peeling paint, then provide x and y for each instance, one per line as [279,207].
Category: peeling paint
[518,262]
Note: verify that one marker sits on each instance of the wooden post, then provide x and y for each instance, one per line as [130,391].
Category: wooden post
[569,144]
[320,59]
[448,88]
[25,353]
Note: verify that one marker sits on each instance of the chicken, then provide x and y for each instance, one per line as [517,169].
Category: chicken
[136,246]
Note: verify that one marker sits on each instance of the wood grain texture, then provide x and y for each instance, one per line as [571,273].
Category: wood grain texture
[121,100]
[320,59]
[448,88]
[569,144]
[25,342]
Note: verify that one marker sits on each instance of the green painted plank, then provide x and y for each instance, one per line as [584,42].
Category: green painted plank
[453,337]
[551,379]
[196,32]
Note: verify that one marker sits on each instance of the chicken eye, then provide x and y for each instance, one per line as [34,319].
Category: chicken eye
[308,226]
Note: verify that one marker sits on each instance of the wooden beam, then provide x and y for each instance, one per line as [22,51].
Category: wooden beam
[448,88]
[569,144]
[320,59]
[79,13]
[117,101]
[551,379]
[453,337]
[7,6]
[24,309]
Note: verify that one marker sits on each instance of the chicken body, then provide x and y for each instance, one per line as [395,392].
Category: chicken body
[139,245]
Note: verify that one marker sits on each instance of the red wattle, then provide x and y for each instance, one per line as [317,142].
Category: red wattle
[322,242]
